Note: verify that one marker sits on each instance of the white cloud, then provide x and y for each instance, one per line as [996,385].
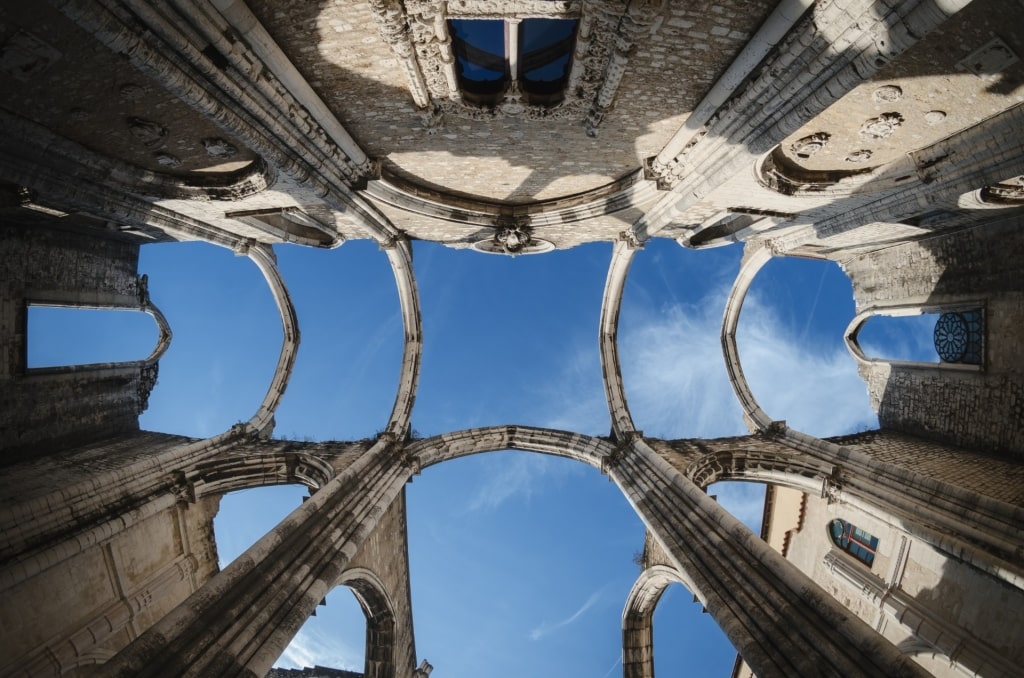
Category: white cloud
[517,475]
[745,501]
[311,648]
[676,383]
[545,628]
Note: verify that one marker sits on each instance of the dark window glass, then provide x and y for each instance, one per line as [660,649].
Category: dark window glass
[545,48]
[855,541]
[479,47]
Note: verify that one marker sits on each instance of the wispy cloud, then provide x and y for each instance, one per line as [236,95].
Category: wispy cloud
[677,386]
[618,660]
[311,648]
[745,501]
[546,628]
[518,476]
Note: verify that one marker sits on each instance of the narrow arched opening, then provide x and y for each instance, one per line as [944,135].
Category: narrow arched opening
[687,641]
[337,633]
[791,340]
[227,338]
[541,569]
[74,335]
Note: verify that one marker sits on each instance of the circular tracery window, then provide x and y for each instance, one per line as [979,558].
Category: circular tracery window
[958,337]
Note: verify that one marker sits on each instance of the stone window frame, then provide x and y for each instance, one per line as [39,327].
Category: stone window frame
[870,545]
[850,337]
[608,31]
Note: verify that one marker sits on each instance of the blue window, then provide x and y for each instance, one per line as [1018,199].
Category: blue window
[853,540]
[531,58]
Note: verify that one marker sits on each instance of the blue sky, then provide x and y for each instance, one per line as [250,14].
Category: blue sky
[520,563]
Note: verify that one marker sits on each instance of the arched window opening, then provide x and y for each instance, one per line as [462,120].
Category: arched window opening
[227,338]
[940,336]
[687,641]
[497,60]
[70,335]
[548,376]
[899,338]
[790,338]
[543,564]
[855,541]
[335,636]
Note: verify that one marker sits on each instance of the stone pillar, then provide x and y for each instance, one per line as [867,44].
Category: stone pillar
[781,623]
[241,620]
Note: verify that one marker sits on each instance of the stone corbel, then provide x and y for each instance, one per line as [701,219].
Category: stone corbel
[631,239]
[832,487]
[183,489]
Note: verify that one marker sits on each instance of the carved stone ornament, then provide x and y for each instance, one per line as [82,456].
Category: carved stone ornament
[887,94]
[167,160]
[218,148]
[832,487]
[809,145]
[934,117]
[513,238]
[131,91]
[1009,192]
[417,32]
[147,381]
[25,56]
[860,156]
[151,134]
[881,127]
[183,489]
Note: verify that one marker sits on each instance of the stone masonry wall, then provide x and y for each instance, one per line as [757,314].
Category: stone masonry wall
[386,553]
[978,410]
[47,409]
[986,475]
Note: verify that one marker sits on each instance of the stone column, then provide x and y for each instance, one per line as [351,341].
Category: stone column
[241,620]
[781,623]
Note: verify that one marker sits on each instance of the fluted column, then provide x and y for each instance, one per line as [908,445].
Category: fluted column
[778,619]
[241,620]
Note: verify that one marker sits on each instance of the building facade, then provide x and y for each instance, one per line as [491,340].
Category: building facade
[884,136]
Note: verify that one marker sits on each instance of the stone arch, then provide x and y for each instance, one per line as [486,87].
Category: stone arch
[593,451]
[399,255]
[638,618]
[915,646]
[611,367]
[780,174]
[379,610]
[250,468]
[753,262]
[782,467]
[146,306]
[249,180]
[263,419]
[850,336]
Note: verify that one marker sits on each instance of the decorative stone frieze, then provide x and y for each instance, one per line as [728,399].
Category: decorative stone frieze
[609,30]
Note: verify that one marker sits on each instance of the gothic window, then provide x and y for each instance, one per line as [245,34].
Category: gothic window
[958,337]
[853,540]
[498,59]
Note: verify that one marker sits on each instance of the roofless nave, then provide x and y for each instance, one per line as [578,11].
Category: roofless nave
[883,136]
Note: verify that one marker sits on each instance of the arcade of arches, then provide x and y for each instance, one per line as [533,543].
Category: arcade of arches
[883,136]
